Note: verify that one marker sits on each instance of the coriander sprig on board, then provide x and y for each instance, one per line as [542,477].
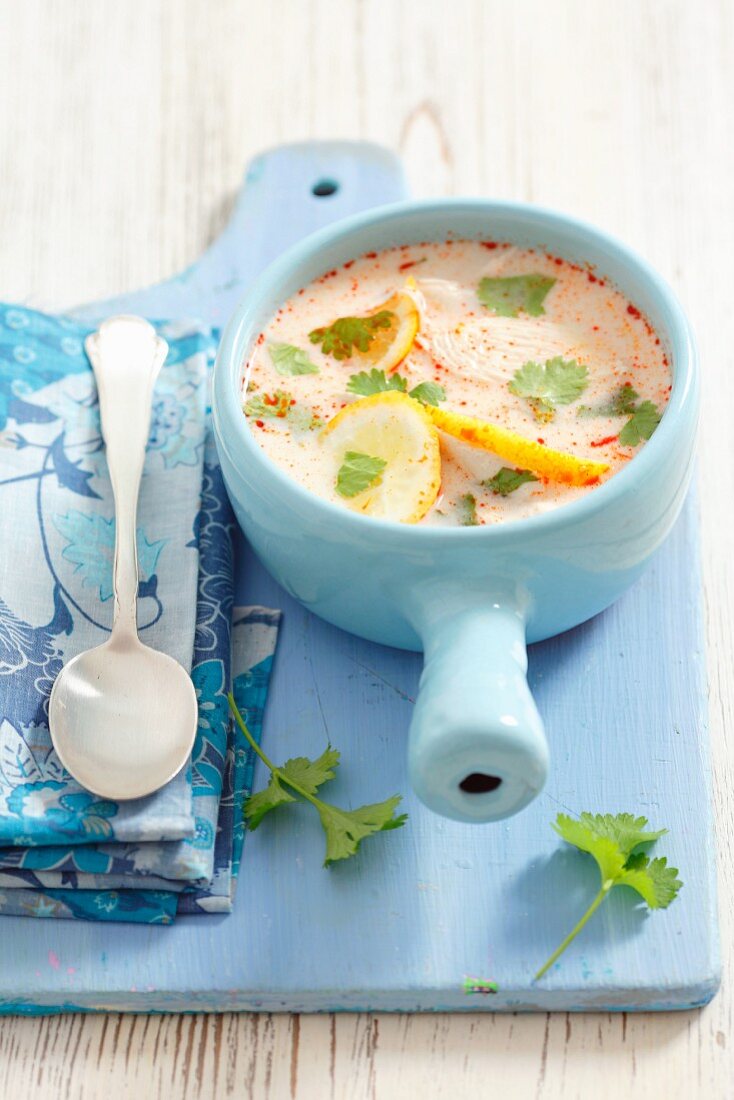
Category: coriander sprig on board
[344,829]
[614,841]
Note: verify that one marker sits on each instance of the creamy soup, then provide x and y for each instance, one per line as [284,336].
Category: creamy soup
[455,383]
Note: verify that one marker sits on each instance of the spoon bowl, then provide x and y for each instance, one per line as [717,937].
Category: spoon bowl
[109,708]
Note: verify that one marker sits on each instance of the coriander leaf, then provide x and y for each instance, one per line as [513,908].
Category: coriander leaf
[621,403]
[612,840]
[556,382]
[653,880]
[607,853]
[303,419]
[358,472]
[260,804]
[375,381]
[346,829]
[509,295]
[624,830]
[280,405]
[348,335]
[265,406]
[428,393]
[467,505]
[311,774]
[288,359]
[506,480]
[640,425]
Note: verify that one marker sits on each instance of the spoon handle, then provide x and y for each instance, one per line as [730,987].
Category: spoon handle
[126,356]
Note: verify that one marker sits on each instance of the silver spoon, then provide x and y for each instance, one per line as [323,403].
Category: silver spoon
[123,716]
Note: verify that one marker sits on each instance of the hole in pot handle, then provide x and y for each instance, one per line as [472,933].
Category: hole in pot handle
[477,748]
[323,188]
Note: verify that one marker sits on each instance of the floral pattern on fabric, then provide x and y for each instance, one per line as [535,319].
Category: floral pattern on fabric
[83,869]
[91,549]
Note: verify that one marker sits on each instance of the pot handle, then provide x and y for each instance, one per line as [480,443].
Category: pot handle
[477,748]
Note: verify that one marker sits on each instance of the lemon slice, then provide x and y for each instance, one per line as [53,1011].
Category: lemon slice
[396,429]
[522,452]
[383,343]
[390,345]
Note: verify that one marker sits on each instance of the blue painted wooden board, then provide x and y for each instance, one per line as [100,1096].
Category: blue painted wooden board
[424,908]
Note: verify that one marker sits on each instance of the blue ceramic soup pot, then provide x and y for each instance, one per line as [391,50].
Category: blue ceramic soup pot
[470,597]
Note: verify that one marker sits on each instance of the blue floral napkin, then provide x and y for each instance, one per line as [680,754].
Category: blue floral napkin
[97,896]
[63,851]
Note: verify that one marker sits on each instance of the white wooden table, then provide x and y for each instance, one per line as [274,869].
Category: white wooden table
[124,129]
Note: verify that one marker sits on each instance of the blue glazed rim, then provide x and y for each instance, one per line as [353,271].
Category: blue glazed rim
[681,413]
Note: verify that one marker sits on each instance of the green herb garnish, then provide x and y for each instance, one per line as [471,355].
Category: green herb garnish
[280,405]
[348,335]
[514,293]
[621,403]
[376,381]
[613,840]
[344,829]
[643,418]
[290,360]
[506,480]
[556,382]
[265,406]
[428,393]
[303,419]
[640,425]
[467,505]
[358,472]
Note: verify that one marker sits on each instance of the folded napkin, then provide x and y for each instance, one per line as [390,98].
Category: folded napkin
[64,851]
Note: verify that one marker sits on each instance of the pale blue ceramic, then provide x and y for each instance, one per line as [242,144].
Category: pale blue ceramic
[470,598]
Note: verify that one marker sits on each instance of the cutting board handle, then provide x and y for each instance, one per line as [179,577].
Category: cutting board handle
[287,193]
[293,190]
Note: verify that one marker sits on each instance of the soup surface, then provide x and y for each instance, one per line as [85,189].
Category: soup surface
[455,383]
